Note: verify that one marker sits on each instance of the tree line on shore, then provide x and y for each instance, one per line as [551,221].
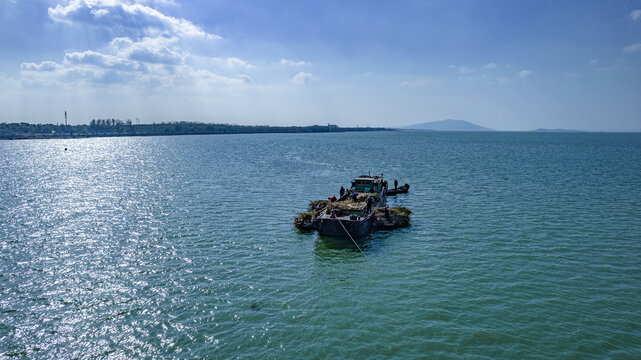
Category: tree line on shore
[117,127]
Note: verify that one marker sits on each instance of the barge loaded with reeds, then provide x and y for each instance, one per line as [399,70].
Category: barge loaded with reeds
[358,211]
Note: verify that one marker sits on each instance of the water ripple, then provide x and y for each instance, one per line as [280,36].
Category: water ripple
[521,246]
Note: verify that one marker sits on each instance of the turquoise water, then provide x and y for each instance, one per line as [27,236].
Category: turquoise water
[522,245]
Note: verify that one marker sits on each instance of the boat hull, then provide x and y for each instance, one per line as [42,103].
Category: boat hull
[331,227]
[399,190]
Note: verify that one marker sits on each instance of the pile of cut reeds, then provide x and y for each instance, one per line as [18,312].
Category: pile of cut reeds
[303,221]
[313,204]
[397,217]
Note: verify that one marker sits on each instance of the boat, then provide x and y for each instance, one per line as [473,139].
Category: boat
[399,190]
[351,216]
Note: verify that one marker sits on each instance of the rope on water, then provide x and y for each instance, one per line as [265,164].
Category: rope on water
[350,236]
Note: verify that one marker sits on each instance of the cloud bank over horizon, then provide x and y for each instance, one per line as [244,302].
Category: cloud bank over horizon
[152,55]
[165,60]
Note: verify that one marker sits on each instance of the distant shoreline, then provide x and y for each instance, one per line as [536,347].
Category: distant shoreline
[118,128]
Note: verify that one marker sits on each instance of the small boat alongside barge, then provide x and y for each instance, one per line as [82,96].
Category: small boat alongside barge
[399,190]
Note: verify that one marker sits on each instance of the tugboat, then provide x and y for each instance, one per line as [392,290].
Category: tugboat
[352,215]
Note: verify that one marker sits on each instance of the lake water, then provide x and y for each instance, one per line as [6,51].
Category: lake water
[522,245]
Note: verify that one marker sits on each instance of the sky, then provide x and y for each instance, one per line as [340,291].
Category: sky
[506,65]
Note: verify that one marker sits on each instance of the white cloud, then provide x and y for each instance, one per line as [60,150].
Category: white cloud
[233,62]
[490,66]
[153,54]
[632,48]
[635,14]
[236,62]
[90,67]
[148,62]
[84,71]
[99,60]
[524,74]
[293,63]
[152,51]
[97,13]
[132,15]
[43,66]
[593,61]
[159,2]
[158,50]
[303,78]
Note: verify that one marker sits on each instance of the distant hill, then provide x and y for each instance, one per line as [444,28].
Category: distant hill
[448,125]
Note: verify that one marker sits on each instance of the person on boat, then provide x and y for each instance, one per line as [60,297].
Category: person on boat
[395,183]
[354,196]
[342,192]
[332,198]
[369,204]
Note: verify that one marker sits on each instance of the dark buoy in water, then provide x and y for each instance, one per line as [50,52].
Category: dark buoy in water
[65,149]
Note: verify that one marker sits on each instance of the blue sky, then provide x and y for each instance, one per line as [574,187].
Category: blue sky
[507,65]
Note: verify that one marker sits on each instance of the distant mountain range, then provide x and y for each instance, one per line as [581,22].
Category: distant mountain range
[462,125]
[447,125]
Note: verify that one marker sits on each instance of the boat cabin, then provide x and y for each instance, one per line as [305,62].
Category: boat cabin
[367,183]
